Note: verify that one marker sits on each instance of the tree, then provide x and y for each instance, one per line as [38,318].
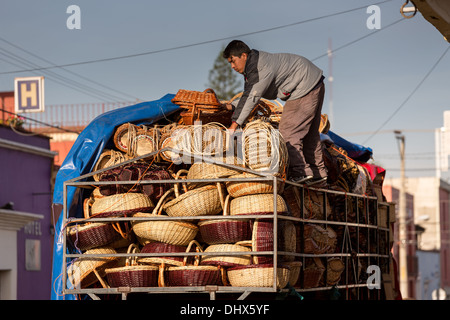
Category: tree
[223,79]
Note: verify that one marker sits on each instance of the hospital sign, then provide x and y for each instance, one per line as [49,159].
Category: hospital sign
[29,94]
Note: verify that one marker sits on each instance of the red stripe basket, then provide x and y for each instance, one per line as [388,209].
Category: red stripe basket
[133,274]
[221,231]
[161,247]
[91,235]
[190,275]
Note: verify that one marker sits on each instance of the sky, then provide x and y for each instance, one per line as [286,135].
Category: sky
[140,50]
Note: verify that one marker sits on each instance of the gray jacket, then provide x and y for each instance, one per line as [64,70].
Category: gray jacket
[274,75]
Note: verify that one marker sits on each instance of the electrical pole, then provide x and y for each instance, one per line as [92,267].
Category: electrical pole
[403,237]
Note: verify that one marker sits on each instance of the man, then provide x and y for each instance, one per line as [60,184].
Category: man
[293,79]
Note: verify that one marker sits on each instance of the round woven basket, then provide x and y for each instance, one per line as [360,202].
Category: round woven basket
[295,268]
[145,142]
[260,275]
[123,204]
[85,271]
[190,275]
[133,274]
[107,159]
[319,240]
[92,234]
[335,267]
[206,200]
[161,247]
[123,134]
[243,188]
[222,231]
[257,204]
[206,170]
[172,138]
[171,232]
[263,148]
[226,260]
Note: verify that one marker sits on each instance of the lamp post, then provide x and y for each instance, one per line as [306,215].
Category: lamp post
[403,241]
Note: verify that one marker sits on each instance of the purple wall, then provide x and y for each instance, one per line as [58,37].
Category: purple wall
[26,181]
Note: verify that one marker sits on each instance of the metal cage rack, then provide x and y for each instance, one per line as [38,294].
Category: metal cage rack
[363,229]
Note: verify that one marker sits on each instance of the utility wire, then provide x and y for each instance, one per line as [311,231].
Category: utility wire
[194,44]
[69,71]
[409,96]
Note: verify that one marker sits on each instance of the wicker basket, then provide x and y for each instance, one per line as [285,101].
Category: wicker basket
[257,204]
[190,275]
[243,188]
[314,205]
[312,274]
[107,159]
[206,170]
[294,274]
[85,271]
[335,267]
[123,134]
[319,240]
[124,204]
[225,260]
[259,275]
[222,231]
[172,138]
[161,247]
[263,148]
[91,235]
[133,274]
[207,200]
[172,232]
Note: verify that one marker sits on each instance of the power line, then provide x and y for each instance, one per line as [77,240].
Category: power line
[69,71]
[192,44]
[410,95]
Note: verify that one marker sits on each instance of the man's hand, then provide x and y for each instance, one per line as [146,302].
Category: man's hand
[232,128]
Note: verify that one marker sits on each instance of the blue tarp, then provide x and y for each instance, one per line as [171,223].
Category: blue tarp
[81,159]
[355,151]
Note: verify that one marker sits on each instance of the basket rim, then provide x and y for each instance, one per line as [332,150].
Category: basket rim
[260,266]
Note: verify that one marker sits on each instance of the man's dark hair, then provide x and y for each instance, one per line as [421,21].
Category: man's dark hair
[235,48]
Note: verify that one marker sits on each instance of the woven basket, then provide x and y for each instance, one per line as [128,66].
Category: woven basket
[161,247]
[263,148]
[294,274]
[207,200]
[312,274]
[319,240]
[226,260]
[335,267]
[257,204]
[122,135]
[190,275]
[206,170]
[91,235]
[314,205]
[133,274]
[124,204]
[172,138]
[107,159]
[85,271]
[244,188]
[222,231]
[260,275]
[172,232]
[187,98]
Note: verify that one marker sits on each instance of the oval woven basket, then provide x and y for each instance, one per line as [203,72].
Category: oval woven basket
[123,204]
[206,200]
[190,275]
[295,268]
[91,234]
[107,159]
[85,271]
[257,204]
[219,231]
[172,232]
[133,274]
[206,170]
[243,188]
[123,134]
[161,247]
[260,275]
[224,260]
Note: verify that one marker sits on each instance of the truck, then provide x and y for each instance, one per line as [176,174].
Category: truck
[152,203]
